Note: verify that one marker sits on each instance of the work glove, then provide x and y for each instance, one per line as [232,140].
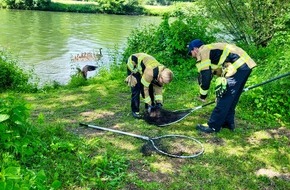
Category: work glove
[220,86]
[131,81]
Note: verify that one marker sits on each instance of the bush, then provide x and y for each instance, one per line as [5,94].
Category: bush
[270,100]
[13,77]
[25,4]
[13,121]
[120,7]
[77,80]
[17,145]
[168,42]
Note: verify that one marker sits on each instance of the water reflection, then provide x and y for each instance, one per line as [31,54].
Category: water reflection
[46,41]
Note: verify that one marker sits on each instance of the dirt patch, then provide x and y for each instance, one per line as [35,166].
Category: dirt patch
[271,174]
[277,133]
[216,140]
[150,173]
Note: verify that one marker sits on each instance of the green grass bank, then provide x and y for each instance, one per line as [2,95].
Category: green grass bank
[64,155]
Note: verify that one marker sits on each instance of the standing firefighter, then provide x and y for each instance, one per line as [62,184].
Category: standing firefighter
[146,76]
[233,66]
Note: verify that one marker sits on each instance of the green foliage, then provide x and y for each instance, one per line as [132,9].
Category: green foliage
[120,6]
[98,6]
[14,128]
[249,20]
[12,77]
[25,4]
[17,142]
[13,120]
[163,2]
[79,8]
[271,100]
[51,86]
[168,41]
[41,158]
[77,80]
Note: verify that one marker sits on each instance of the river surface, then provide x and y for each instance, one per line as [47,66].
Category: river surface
[47,43]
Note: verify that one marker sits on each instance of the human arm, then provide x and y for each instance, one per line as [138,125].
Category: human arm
[147,78]
[205,73]
[204,80]
[131,71]
[158,97]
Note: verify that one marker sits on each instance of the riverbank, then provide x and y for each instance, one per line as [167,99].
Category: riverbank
[255,156]
[124,8]
[151,10]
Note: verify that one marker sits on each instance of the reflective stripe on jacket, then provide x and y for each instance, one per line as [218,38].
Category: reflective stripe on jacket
[145,65]
[216,54]
[211,58]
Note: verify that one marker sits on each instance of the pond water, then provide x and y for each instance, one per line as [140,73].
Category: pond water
[48,42]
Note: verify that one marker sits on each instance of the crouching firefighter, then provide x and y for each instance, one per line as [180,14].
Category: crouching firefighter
[146,76]
[232,65]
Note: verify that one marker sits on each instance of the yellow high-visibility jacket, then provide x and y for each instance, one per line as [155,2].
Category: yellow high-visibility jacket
[149,68]
[211,58]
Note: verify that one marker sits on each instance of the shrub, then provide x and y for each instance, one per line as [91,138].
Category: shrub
[271,100]
[77,80]
[13,121]
[13,77]
[168,41]
[25,4]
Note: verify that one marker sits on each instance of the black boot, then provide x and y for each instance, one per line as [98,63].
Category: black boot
[205,129]
[136,115]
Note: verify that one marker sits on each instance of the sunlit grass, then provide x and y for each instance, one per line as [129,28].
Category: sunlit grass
[231,160]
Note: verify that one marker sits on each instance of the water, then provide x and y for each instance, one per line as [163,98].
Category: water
[45,42]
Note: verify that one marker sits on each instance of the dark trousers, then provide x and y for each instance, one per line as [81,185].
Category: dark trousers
[224,111]
[136,91]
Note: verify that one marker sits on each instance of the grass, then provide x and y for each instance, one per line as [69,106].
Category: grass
[159,10]
[255,156]
[149,9]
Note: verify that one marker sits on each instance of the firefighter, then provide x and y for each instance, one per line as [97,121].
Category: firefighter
[232,65]
[146,76]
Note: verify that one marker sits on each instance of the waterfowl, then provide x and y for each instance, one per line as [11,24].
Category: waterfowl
[88,56]
[85,70]
[99,55]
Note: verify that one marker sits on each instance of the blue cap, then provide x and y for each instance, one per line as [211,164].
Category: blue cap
[194,44]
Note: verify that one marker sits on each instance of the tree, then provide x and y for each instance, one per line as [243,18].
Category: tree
[250,20]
